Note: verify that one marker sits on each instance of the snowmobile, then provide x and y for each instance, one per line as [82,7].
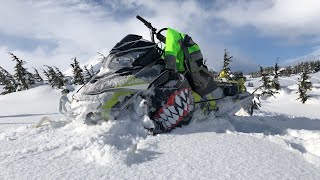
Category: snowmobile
[132,80]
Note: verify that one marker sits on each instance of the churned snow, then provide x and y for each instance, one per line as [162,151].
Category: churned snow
[280,141]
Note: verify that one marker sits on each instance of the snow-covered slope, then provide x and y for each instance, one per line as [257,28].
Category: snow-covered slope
[26,107]
[286,103]
[281,141]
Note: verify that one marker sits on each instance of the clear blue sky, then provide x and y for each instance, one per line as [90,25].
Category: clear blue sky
[255,32]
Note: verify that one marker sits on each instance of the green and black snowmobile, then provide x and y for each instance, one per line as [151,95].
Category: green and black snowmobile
[132,80]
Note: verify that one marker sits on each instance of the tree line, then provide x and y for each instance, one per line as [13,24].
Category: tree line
[307,67]
[23,79]
[270,78]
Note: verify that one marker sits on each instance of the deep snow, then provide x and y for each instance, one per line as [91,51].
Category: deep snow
[281,141]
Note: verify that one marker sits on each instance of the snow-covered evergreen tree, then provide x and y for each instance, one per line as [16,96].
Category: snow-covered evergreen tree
[8,81]
[77,72]
[226,62]
[317,66]
[304,86]
[51,75]
[266,86]
[60,79]
[24,79]
[55,77]
[250,84]
[38,79]
[89,73]
[266,82]
[275,81]
[2,77]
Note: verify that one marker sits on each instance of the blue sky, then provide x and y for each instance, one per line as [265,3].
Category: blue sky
[254,32]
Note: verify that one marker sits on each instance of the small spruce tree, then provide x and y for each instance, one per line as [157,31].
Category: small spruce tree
[60,79]
[226,62]
[51,75]
[275,81]
[23,78]
[304,86]
[77,71]
[8,81]
[89,73]
[38,79]
[266,82]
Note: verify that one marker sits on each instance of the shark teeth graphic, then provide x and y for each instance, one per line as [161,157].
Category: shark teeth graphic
[178,100]
[167,112]
[180,111]
[172,109]
[185,106]
[177,107]
[168,124]
[172,120]
[183,95]
[175,117]
[164,125]
[163,116]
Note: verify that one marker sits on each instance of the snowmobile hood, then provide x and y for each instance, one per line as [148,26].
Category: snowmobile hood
[114,82]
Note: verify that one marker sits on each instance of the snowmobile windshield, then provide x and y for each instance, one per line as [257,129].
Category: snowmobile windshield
[115,62]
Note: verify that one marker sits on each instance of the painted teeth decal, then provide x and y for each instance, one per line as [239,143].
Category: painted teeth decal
[163,116]
[167,112]
[176,108]
[168,123]
[175,117]
[178,100]
[172,109]
[164,125]
[185,106]
[180,111]
[172,120]
[182,95]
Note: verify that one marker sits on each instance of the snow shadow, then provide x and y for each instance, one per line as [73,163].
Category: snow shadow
[273,125]
[268,124]
[141,156]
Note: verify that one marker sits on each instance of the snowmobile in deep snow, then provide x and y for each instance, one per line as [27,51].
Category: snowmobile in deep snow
[132,79]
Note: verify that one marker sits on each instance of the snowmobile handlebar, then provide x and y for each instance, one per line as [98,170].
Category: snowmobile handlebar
[146,23]
[153,30]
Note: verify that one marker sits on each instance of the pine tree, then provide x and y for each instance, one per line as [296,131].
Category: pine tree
[250,84]
[304,86]
[51,75]
[317,66]
[77,71]
[275,81]
[88,73]
[2,77]
[8,81]
[226,62]
[37,77]
[23,78]
[266,83]
[59,79]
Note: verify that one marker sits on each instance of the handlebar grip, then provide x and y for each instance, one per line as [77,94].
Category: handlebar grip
[145,22]
[142,20]
[161,38]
